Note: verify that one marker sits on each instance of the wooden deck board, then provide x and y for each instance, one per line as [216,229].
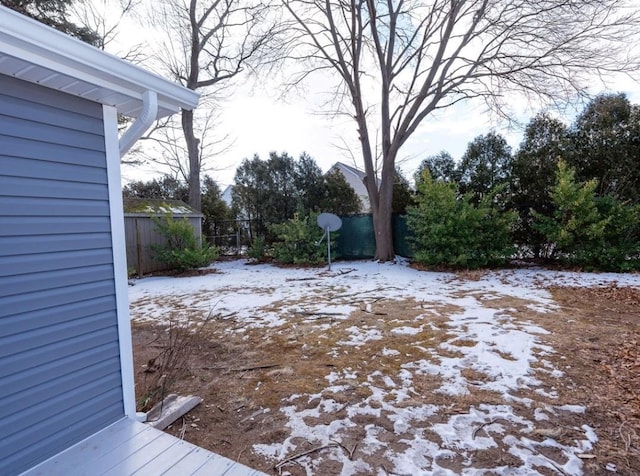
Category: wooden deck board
[146,455]
[128,447]
[191,464]
[167,459]
[215,466]
[107,459]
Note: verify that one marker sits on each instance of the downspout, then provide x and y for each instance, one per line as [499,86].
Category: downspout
[147,116]
[142,123]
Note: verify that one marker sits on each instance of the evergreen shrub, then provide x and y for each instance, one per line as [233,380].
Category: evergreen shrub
[590,231]
[297,240]
[181,250]
[450,230]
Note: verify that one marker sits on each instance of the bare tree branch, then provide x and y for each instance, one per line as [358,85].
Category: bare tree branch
[400,61]
[206,46]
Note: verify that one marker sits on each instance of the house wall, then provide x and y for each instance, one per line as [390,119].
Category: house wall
[354,179]
[60,372]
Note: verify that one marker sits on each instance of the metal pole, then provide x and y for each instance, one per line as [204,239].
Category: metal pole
[329,247]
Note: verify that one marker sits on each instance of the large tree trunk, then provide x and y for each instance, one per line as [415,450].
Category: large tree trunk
[194,160]
[380,197]
[382,215]
[384,234]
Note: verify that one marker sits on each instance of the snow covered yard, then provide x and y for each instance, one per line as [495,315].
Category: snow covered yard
[382,369]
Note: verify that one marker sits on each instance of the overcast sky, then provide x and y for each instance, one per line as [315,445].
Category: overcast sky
[260,123]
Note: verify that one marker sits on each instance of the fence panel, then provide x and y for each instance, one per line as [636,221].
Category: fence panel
[141,235]
[401,235]
[356,239]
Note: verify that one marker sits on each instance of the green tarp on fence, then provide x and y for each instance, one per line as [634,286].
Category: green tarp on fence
[401,236]
[356,239]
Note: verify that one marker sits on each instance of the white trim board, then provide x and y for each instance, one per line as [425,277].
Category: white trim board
[118,246]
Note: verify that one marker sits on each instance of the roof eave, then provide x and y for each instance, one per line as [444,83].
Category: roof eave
[28,40]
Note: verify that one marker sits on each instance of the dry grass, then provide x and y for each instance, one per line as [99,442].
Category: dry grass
[241,373]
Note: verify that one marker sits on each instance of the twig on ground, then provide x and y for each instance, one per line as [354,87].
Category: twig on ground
[475,432]
[555,465]
[183,430]
[391,473]
[240,453]
[626,439]
[340,272]
[340,296]
[253,415]
[303,453]
[349,452]
[255,367]
[322,314]
[375,313]
[346,271]
[220,317]
[486,423]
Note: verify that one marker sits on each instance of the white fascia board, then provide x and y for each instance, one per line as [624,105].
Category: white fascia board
[40,45]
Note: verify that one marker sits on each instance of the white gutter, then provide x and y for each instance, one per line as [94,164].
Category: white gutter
[148,115]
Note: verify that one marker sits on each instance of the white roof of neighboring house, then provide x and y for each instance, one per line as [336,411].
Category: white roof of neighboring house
[34,52]
[226,195]
[355,178]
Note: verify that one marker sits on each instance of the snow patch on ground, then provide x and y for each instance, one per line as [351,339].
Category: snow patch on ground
[485,340]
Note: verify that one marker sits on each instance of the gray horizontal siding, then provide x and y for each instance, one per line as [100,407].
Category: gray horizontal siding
[49,133]
[18,153]
[66,347]
[61,385]
[20,206]
[25,383]
[49,299]
[34,263]
[56,278]
[17,147]
[54,225]
[14,345]
[28,447]
[43,99]
[35,414]
[60,375]
[17,187]
[24,323]
[33,244]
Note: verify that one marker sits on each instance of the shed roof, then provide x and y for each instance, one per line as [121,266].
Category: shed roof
[148,206]
[31,51]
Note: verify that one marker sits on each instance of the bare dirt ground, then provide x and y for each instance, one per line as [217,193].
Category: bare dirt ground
[248,379]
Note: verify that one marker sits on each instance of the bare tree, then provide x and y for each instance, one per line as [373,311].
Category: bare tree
[399,61]
[105,18]
[169,148]
[208,43]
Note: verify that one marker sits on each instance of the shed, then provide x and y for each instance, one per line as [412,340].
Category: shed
[140,233]
[67,402]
